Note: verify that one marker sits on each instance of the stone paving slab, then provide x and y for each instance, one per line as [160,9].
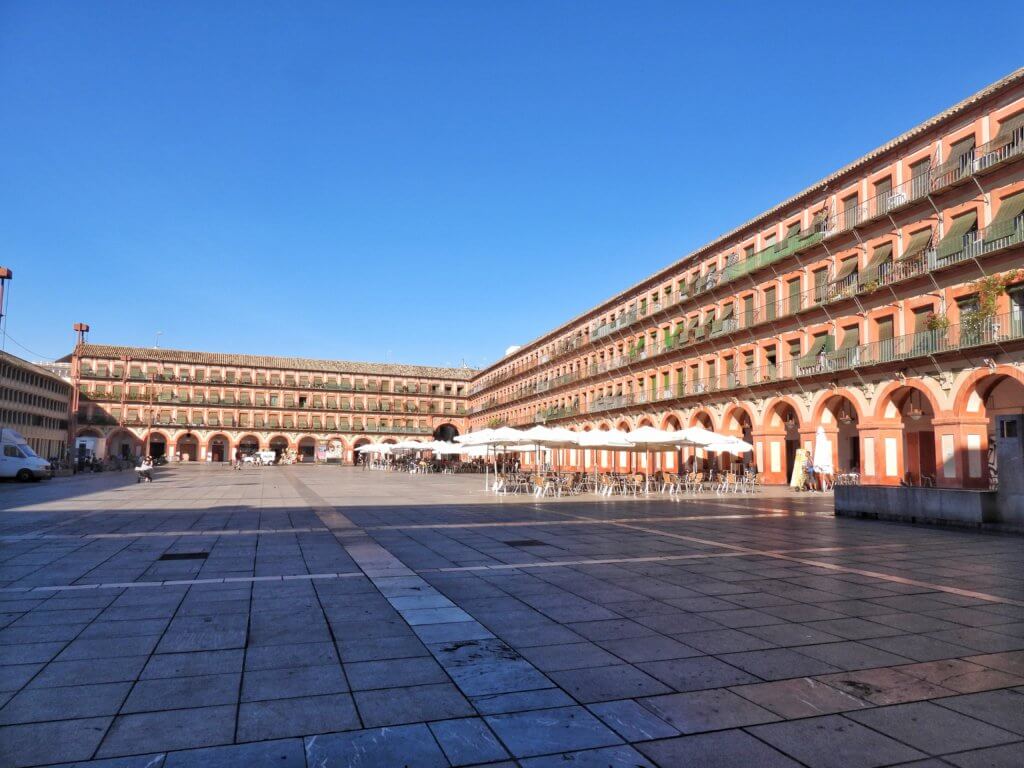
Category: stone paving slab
[342,617]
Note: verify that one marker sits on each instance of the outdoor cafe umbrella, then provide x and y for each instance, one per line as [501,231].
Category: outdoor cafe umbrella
[647,438]
[604,440]
[552,437]
[822,453]
[375,448]
[502,437]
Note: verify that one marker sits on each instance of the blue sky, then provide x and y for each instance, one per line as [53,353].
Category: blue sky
[423,182]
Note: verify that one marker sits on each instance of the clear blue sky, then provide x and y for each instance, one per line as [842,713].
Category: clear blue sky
[424,182]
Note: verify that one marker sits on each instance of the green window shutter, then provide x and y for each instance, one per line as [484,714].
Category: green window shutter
[1010,126]
[821,343]
[851,337]
[1002,225]
[770,305]
[918,243]
[953,242]
[961,148]
[794,296]
[846,269]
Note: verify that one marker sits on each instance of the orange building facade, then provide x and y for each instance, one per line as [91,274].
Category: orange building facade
[200,406]
[884,304]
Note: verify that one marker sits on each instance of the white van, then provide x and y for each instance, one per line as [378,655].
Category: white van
[18,460]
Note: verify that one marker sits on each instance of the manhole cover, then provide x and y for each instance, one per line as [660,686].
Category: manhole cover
[184,556]
[526,543]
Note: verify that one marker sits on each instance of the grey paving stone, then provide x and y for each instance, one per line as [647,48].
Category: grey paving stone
[961,676]
[135,761]
[261,685]
[724,641]
[851,655]
[854,628]
[1008,756]
[169,730]
[520,701]
[410,746]
[799,697]
[932,729]
[653,648]
[1011,661]
[725,749]
[621,681]
[833,741]
[294,655]
[108,648]
[51,742]
[359,649]
[14,676]
[778,663]
[608,757]
[697,673]
[29,653]
[1004,709]
[493,677]
[549,658]
[190,664]
[632,721]
[614,629]
[282,718]
[394,673]
[269,754]
[396,706]
[454,632]
[33,705]
[789,635]
[712,710]
[884,686]
[547,731]
[182,693]
[468,741]
[60,673]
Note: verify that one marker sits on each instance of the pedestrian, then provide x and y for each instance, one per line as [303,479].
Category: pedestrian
[238,458]
[145,470]
[810,480]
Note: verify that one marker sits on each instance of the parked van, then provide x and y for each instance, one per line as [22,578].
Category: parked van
[18,460]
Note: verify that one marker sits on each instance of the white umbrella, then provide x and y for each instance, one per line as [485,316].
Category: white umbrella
[822,452]
[729,445]
[698,436]
[652,436]
[614,439]
[408,445]
[449,449]
[502,437]
[375,448]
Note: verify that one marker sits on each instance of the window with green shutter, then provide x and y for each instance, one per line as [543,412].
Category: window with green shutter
[770,304]
[957,235]
[794,296]
[1009,219]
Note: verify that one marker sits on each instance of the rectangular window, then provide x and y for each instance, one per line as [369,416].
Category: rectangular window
[850,212]
[770,304]
[883,194]
[794,295]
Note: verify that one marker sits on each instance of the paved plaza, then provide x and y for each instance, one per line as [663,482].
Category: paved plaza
[319,616]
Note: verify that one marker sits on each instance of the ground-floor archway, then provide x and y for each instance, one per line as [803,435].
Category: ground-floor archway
[307,449]
[446,432]
[279,445]
[248,445]
[187,447]
[122,444]
[218,448]
[157,445]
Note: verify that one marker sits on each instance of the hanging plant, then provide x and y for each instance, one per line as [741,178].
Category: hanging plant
[989,289]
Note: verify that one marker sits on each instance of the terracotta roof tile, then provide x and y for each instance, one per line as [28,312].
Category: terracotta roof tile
[151,354]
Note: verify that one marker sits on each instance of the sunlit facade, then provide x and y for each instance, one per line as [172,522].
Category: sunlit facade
[883,305]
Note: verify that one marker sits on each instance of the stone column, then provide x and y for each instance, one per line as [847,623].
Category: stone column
[881,452]
[961,451]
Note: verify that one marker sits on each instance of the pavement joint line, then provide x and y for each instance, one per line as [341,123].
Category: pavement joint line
[825,565]
[649,559]
[179,582]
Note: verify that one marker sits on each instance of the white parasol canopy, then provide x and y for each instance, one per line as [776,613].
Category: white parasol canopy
[823,452]
[609,439]
[650,436]
[730,445]
[552,437]
[698,436]
[409,445]
[375,448]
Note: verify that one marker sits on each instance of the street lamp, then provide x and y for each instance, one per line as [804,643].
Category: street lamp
[5,275]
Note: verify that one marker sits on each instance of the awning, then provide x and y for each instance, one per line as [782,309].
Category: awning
[961,148]
[708,323]
[727,312]
[918,242]
[1009,126]
[818,345]
[1002,225]
[846,269]
[880,255]
[953,242]
[851,337]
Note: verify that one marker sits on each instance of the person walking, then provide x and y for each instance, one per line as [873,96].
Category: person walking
[145,470]
[238,458]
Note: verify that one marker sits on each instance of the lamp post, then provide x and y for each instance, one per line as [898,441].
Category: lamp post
[80,330]
[5,275]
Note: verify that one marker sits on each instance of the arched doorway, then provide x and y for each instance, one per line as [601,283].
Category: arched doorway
[157,445]
[356,456]
[218,449]
[782,432]
[187,447]
[279,445]
[124,445]
[989,408]
[249,445]
[841,420]
[738,423]
[307,450]
[698,459]
[446,432]
[672,459]
[915,412]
